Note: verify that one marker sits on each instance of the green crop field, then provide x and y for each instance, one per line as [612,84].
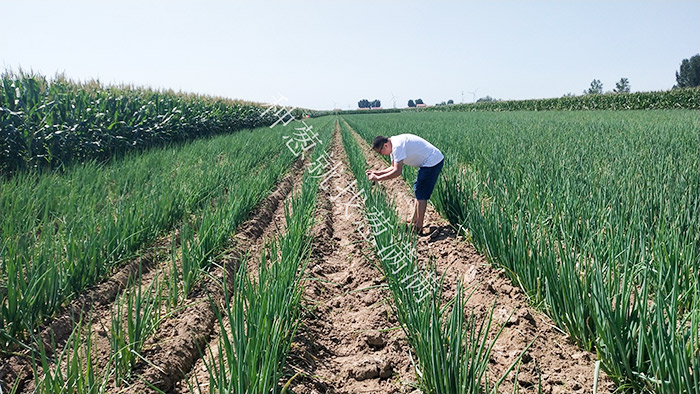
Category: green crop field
[594,214]
[194,198]
[176,208]
[161,242]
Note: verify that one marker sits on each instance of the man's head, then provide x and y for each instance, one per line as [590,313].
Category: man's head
[382,145]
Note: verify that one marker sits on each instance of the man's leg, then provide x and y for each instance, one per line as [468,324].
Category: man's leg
[421,205]
[415,213]
[423,187]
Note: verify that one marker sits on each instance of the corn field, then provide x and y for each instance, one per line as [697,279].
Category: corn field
[685,98]
[53,123]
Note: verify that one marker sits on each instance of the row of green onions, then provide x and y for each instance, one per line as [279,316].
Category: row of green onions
[452,350]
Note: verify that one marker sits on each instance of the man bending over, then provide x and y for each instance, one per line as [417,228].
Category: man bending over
[414,151]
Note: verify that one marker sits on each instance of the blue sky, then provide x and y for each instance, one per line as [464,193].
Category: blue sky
[323,54]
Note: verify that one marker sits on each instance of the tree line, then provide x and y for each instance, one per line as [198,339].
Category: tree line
[364,103]
[687,77]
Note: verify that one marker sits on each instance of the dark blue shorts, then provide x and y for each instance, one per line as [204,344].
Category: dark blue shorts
[425,183]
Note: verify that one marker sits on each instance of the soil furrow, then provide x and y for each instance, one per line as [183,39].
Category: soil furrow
[55,332]
[349,341]
[269,224]
[175,348]
[553,360]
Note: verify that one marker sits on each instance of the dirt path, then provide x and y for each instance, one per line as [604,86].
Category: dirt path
[349,341]
[561,366]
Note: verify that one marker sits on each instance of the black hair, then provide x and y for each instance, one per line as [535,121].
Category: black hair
[379,142]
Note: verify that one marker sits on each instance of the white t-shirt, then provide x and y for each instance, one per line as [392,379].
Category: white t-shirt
[414,151]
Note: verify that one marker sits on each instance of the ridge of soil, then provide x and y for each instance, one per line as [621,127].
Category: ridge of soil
[175,346]
[553,361]
[55,332]
[252,240]
[349,341]
[173,351]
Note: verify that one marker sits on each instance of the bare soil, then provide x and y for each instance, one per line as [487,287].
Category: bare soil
[349,341]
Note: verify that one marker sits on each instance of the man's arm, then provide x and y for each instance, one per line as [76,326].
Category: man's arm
[384,171]
[393,172]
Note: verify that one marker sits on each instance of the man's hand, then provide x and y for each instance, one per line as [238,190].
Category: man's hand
[369,172]
[372,177]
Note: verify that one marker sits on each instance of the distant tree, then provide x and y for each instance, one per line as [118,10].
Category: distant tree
[623,86]
[486,99]
[689,75]
[569,95]
[375,104]
[364,103]
[442,103]
[450,102]
[419,101]
[411,104]
[596,87]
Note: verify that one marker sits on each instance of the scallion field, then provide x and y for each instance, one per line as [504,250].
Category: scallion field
[153,241]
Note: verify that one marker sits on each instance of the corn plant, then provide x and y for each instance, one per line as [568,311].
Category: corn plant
[687,98]
[53,123]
